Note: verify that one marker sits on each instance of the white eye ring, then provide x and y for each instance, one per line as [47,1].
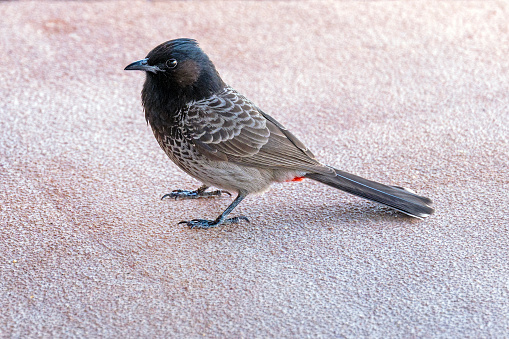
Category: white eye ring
[171,63]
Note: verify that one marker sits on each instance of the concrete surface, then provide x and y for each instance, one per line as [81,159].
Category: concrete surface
[409,93]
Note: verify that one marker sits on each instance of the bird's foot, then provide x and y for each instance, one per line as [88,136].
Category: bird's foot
[185,194]
[204,224]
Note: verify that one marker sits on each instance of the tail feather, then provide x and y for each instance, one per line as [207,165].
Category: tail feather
[396,197]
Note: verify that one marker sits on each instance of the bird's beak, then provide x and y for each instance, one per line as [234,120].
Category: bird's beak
[142,65]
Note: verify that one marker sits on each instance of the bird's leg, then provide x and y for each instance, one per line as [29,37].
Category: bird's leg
[199,193]
[203,223]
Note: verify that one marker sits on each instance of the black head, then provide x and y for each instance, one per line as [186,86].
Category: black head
[179,70]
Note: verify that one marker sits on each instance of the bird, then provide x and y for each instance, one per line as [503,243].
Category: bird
[221,138]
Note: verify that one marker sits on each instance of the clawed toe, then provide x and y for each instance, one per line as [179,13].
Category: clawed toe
[204,223]
[199,193]
[180,194]
[216,193]
[199,223]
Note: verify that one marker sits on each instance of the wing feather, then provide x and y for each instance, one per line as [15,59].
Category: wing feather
[228,126]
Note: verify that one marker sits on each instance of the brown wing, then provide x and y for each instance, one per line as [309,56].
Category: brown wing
[229,127]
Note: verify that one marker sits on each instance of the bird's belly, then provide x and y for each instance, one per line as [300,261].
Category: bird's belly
[221,174]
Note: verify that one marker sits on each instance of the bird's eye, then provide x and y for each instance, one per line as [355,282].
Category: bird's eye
[172,63]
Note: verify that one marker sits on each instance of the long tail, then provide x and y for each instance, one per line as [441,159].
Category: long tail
[398,198]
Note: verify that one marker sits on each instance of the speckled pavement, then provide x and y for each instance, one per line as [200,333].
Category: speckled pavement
[407,93]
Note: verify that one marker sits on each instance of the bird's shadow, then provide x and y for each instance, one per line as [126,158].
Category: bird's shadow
[333,212]
[278,213]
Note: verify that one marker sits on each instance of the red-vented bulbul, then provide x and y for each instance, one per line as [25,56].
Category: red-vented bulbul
[219,137]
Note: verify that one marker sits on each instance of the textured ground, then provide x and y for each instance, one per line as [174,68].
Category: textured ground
[408,93]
